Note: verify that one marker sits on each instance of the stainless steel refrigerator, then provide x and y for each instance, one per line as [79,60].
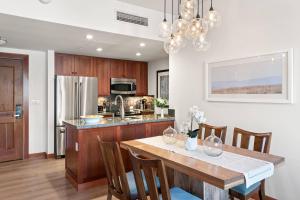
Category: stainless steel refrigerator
[74,96]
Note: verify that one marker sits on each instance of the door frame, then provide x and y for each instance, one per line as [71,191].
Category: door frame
[25,64]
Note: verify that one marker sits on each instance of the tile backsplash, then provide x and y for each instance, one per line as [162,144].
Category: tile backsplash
[129,102]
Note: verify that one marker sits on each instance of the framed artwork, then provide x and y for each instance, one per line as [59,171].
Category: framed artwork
[264,78]
[162,83]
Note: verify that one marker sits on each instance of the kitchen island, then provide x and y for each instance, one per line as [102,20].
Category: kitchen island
[84,164]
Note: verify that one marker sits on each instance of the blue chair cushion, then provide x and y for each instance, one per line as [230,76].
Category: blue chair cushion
[242,189]
[132,184]
[179,194]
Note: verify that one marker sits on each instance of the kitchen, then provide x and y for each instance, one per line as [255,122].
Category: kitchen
[77,75]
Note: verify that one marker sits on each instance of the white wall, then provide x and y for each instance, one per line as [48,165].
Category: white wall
[37,98]
[248,28]
[153,67]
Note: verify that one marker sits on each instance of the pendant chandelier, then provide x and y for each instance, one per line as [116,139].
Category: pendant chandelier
[190,25]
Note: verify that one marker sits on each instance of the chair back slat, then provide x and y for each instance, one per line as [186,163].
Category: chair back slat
[151,169]
[262,141]
[220,131]
[115,170]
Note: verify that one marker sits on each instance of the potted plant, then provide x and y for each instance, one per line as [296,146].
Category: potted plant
[196,117]
[161,103]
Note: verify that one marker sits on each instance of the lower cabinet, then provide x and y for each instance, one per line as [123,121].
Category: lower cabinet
[84,164]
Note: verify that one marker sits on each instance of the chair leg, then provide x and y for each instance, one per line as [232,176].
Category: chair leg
[261,192]
[109,195]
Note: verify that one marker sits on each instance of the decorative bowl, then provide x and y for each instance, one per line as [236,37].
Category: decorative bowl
[91,119]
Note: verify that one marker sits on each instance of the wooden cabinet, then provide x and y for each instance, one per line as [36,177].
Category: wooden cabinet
[130,69]
[84,164]
[74,65]
[64,64]
[83,66]
[104,69]
[156,129]
[117,68]
[141,78]
[132,132]
[102,66]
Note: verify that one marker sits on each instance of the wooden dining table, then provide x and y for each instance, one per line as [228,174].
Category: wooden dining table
[210,175]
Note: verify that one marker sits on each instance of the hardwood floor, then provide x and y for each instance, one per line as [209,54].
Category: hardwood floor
[41,179]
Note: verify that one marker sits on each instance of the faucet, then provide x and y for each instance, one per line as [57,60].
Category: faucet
[122,112]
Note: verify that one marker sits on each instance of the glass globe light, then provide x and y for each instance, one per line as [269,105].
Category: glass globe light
[188,4]
[201,44]
[186,13]
[213,146]
[164,29]
[179,38]
[180,25]
[170,135]
[198,26]
[213,18]
[171,46]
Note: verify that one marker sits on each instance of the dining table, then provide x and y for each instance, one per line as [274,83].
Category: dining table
[215,177]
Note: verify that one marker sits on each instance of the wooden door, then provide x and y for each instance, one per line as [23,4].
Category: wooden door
[141,78]
[117,68]
[11,127]
[64,64]
[83,66]
[102,66]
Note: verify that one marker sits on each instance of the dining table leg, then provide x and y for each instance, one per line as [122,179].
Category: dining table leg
[214,193]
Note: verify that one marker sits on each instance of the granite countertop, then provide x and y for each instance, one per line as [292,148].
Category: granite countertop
[116,121]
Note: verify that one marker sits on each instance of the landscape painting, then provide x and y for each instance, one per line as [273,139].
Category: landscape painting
[259,78]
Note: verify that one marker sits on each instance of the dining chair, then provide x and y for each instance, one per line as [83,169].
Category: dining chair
[120,184]
[262,143]
[151,170]
[205,130]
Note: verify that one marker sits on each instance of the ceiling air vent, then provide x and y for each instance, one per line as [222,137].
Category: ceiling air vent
[124,17]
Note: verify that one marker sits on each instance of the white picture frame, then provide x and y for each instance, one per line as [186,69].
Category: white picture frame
[235,86]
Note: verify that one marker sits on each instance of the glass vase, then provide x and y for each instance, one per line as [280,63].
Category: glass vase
[191,143]
[170,135]
[213,146]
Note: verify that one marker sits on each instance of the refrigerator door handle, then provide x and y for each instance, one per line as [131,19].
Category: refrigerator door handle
[76,101]
[80,98]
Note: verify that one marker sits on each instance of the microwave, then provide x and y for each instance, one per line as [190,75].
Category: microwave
[123,86]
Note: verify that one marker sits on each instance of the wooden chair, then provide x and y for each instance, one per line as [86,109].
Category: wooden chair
[220,131]
[262,143]
[120,184]
[152,169]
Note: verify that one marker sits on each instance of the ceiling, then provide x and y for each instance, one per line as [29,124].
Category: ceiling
[32,34]
[154,4]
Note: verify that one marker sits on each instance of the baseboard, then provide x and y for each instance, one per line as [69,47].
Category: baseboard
[256,197]
[49,156]
[42,155]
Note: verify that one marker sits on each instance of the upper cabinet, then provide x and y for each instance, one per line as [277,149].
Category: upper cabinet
[141,78]
[102,66]
[64,64]
[104,69]
[74,65]
[83,66]
[117,68]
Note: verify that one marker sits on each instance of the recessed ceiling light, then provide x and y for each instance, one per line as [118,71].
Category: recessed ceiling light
[138,54]
[45,1]
[3,41]
[142,44]
[99,49]
[89,37]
